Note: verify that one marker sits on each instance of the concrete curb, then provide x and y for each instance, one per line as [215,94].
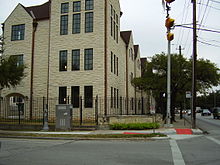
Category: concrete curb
[81,138]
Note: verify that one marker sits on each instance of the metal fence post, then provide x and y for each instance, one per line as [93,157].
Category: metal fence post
[80,113]
[45,117]
[19,113]
[142,105]
[96,110]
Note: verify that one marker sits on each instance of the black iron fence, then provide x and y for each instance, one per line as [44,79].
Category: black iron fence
[85,112]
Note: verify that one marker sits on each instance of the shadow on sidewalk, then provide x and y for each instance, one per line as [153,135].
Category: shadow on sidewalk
[181,123]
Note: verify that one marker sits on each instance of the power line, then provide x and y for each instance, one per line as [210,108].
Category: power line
[206,43]
[215,1]
[209,6]
[207,30]
[206,40]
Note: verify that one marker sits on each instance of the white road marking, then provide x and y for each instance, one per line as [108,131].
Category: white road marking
[213,139]
[176,153]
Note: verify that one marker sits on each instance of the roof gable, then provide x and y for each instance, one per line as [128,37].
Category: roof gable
[126,35]
[40,12]
[19,7]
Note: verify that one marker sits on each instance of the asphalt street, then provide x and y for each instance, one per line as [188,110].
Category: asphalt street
[178,150]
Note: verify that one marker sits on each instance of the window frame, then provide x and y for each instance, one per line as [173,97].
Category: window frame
[88,59]
[88,96]
[75,96]
[76,59]
[76,27]
[64,8]
[77,6]
[89,22]
[19,59]
[62,63]
[89,5]
[18,32]
[64,24]
[62,95]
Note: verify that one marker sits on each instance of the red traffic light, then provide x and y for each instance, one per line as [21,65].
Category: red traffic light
[169,22]
[170,36]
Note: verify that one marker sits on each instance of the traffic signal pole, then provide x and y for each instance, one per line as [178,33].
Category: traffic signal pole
[168,116]
[169,23]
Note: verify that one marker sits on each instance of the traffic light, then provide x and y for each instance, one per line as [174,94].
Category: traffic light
[169,1]
[169,22]
[170,36]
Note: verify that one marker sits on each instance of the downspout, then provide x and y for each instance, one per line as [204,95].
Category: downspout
[48,60]
[126,78]
[135,90]
[106,60]
[32,62]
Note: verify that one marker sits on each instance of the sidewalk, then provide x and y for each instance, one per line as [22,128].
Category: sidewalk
[180,127]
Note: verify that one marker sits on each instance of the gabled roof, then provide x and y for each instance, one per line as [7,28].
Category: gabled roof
[126,35]
[40,12]
[136,47]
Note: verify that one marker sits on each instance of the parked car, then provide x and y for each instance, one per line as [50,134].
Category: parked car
[189,112]
[205,112]
[216,112]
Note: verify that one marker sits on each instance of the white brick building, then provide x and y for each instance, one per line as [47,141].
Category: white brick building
[73,48]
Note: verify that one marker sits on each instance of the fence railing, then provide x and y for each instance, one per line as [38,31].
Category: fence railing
[84,111]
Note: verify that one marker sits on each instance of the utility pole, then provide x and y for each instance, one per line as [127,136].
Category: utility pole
[194,66]
[181,111]
[180,49]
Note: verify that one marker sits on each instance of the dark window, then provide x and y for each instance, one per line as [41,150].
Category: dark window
[111,97]
[132,103]
[114,30]
[117,33]
[76,59]
[19,59]
[75,96]
[76,23]
[114,64]
[88,96]
[117,19]
[117,66]
[111,10]
[114,97]
[64,24]
[132,76]
[111,26]
[62,95]
[88,59]
[111,62]
[63,60]
[77,6]
[89,22]
[89,5]
[64,8]
[117,98]
[17,32]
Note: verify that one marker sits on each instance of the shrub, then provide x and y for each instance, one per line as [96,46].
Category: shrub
[134,126]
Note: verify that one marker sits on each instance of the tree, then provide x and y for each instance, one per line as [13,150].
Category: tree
[155,78]
[11,73]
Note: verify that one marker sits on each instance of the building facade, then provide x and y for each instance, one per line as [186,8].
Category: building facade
[74,48]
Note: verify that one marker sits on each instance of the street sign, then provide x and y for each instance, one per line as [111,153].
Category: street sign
[188,95]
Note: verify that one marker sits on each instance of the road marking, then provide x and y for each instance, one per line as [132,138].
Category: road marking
[213,139]
[176,153]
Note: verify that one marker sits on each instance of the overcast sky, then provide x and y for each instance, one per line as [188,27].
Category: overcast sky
[147,18]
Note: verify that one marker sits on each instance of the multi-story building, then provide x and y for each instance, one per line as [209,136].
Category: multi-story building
[74,48]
